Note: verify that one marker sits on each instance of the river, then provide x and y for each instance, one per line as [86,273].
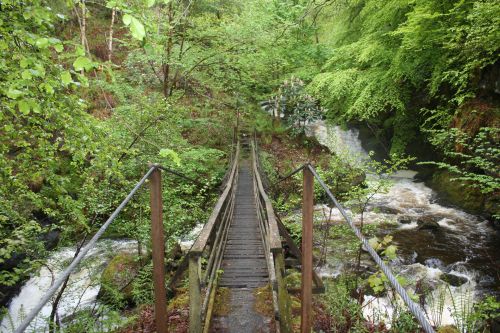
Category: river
[464,249]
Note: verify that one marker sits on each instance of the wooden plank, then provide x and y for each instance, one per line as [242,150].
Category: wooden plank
[307,239]
[158,241]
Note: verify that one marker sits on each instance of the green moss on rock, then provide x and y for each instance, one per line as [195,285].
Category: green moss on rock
[116,280]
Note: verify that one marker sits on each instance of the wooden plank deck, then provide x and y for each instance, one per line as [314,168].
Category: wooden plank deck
[244,265]
[244,262]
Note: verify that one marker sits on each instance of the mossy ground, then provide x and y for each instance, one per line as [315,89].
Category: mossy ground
[177,313]
[222,306]
[264,301]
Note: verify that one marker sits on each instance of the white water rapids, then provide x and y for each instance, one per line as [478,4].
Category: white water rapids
[81,292]
[460,247]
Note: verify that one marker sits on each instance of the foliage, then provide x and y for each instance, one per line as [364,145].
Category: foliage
[48,140]
[388,60]
[473,160]
[345,312]
[297,107]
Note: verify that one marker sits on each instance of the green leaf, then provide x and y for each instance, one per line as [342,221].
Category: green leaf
[390,252]
[66,78]
[48,88]
[111,4]
[137,29]
[14,93]
[24,63]
[150,3]
[35,107]
[80,51]
[42,42]
[23,106]
[26,74]
[59,48]
[374,242]
[82,63]
[172,155]
[127,19]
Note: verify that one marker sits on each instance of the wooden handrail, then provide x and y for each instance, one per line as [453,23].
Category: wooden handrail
[207,231]
[274,252]
[273,233]
[210,244]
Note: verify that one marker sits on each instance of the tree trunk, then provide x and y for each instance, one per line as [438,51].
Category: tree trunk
[85,44]
[110,42]
[166,65]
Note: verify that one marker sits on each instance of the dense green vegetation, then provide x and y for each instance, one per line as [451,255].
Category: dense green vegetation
[91,91]
[412,70]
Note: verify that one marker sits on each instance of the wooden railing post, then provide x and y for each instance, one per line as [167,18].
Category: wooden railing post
[194,294]
[158,241]
[283,297]
[307,239]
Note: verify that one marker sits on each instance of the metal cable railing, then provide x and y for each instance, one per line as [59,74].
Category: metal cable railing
[155,199]
[414,308]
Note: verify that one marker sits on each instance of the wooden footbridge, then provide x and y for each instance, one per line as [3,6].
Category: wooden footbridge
[241,247]
[243,250]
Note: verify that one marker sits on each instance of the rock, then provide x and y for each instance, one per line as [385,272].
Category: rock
[454,280]
[404,219]
[495,325]
[116,280]
[389,210]
[467,197]
[427,223]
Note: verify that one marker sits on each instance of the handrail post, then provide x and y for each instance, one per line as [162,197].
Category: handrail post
[158,241]
[194,294]
[307,239]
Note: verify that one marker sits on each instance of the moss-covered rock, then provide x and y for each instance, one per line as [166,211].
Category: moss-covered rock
[116,280]
[469,198]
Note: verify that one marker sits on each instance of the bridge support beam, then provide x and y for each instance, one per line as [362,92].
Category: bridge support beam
[307,257]
[194,294]
[158,241]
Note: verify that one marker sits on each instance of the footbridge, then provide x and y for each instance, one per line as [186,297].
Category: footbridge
[242,248]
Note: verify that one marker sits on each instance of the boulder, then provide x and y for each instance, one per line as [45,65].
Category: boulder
[388,210]
[454,280]
[116,280]
[404,219]
[427,223]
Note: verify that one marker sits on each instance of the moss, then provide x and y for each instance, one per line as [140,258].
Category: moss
[264,301]
[466,197]
[181,300]
[295,306]
[293,280]
[447,329]
[222,305]
[116,286]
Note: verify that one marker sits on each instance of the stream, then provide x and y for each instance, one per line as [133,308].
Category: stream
[462,249]
[83,286]
[80,294]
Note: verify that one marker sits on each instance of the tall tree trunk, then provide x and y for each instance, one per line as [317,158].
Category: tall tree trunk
[166,65]
[85,44]
[110,41]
